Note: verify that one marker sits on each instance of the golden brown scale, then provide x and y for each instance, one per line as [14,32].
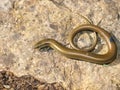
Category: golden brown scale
[82,54]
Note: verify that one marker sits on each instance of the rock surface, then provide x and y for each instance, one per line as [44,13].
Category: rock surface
[8,81]
[25,22]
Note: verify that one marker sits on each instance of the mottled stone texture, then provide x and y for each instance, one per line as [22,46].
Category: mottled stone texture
[24,22]
[8,81]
